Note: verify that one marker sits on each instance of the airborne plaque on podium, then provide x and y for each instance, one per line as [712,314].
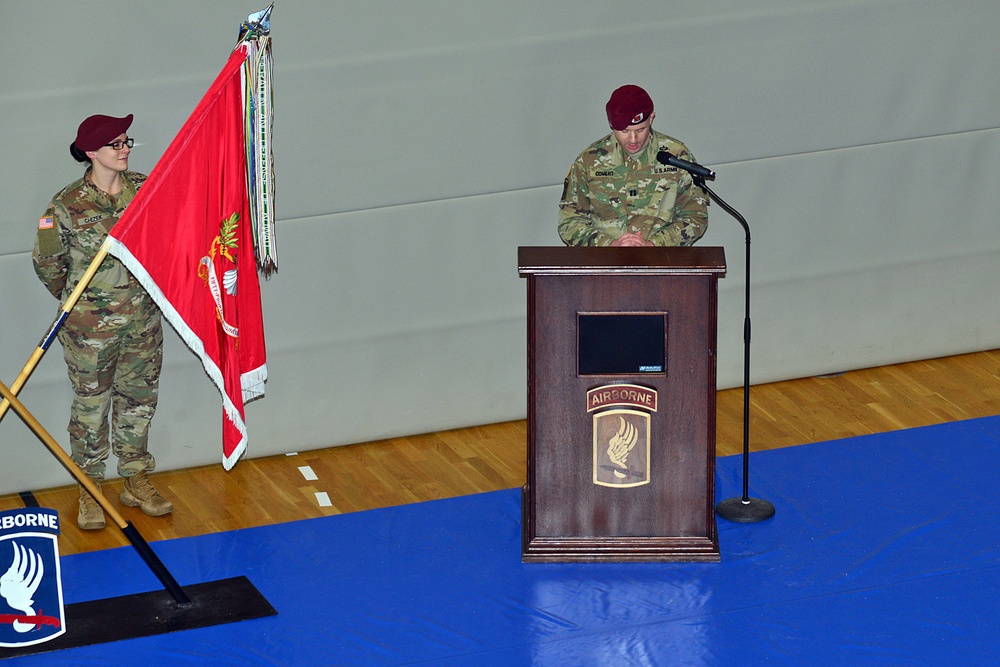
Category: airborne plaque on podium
[621,404]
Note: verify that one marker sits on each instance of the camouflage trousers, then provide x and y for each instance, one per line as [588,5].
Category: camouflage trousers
[118,372]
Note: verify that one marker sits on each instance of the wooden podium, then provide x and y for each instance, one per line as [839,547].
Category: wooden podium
[621,404]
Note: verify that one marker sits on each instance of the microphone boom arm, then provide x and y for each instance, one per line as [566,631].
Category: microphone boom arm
[693,168]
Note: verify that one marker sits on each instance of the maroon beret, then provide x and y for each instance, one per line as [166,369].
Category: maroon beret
[99,131]
[628,105]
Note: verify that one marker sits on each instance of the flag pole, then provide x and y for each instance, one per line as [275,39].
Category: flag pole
[137,541]
[46,342]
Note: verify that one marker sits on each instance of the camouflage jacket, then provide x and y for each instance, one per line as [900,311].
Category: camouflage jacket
[608,193]
[69,236]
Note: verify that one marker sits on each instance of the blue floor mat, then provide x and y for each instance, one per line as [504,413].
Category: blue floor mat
[883,551]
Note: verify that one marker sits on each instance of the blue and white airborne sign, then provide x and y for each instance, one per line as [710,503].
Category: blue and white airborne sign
[31,599]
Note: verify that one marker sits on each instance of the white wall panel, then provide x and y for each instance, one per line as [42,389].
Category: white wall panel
[862,256]
[420,143]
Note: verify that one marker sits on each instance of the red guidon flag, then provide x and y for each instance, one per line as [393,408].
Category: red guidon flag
[188,238]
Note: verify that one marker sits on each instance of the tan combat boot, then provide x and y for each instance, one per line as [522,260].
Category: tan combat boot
[91,516]
[139,492]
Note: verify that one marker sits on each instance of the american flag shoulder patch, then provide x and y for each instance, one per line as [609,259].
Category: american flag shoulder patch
[45,222]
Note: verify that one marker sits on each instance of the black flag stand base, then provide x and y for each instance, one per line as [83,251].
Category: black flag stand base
[143,614]
[154,613]
[745,509]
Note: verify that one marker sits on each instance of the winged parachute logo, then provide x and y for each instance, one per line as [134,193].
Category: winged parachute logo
[621,433]
[226,246]
[620,446]
[31,601]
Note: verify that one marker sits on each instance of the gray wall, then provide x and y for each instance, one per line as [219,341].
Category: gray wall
[419,143]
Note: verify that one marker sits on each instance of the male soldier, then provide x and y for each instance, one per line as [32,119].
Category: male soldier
[113,339]
[616,193]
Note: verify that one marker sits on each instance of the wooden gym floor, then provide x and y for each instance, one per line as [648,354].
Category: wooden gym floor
[487,458]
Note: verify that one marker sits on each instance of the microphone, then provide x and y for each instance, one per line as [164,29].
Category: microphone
[665,157]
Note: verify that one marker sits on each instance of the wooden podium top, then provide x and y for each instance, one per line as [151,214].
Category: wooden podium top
[574,260]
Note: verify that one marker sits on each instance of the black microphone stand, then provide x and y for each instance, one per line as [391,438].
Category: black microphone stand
[744,509]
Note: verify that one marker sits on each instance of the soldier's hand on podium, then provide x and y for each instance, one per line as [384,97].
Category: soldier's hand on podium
[631,239]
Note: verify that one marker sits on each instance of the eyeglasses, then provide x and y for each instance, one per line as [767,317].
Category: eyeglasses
[118,145]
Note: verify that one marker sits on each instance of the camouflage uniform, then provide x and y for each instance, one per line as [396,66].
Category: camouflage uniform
[608,193]
[113,338]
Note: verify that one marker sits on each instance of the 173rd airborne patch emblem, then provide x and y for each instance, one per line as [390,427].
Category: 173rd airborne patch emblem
[31,601]
[621,433]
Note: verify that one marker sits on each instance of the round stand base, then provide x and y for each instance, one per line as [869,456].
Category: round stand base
[745,510]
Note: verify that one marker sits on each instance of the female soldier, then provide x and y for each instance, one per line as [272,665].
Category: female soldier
[113,339]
